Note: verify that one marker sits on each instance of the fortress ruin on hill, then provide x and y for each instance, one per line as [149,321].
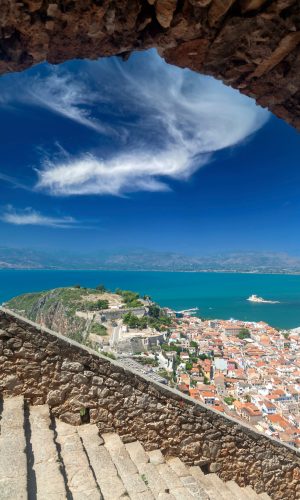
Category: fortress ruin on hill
[80,385]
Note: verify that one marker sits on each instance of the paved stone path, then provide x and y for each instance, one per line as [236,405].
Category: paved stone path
[42,458]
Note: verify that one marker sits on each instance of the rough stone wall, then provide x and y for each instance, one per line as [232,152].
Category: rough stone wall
[48,368]
[252,45]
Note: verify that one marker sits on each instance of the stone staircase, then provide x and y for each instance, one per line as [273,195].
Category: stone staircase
[46,459]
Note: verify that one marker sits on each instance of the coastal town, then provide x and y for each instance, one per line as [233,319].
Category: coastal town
[247,370]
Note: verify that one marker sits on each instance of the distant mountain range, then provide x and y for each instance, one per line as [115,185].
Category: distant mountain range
[142,260]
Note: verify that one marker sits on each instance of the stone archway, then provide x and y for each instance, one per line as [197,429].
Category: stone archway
[252,45]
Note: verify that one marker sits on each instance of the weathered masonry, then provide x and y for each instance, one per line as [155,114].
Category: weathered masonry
[252,45]
[79,385]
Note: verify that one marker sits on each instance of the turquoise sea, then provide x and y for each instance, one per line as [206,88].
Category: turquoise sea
[217,295]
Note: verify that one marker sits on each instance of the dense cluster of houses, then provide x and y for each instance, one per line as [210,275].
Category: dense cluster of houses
[248,370]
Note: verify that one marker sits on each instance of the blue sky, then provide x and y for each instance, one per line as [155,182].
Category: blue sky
[139,154]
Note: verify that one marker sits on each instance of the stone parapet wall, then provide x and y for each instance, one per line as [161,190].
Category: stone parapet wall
[78,384]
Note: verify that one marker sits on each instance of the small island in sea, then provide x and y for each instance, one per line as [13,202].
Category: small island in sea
[256,298]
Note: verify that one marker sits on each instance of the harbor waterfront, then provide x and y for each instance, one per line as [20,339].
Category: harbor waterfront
[216,295]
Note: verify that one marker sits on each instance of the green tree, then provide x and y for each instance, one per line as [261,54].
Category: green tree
[229,400]
[134,321]
[203,356]
[244,334]
[130,298]
[174,366]
[172,347]
[97,306]
[154,311]
[101,288]
[102,304]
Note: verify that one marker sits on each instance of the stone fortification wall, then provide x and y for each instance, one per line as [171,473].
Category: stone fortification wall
[111,314]
[78,384]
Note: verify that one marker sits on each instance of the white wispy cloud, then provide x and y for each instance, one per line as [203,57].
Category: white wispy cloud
[178,121]
[13,181]
[136,171]
[160,122]
[30,217]
[65,95]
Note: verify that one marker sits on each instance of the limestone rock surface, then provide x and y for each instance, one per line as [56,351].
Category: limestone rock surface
[252,45]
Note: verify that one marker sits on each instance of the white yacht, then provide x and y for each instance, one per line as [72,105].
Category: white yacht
[256,298]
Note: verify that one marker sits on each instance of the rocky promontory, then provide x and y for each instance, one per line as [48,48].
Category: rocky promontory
[83,314]
[54,309]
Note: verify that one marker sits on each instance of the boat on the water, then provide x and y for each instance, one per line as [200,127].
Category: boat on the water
[188,312]
[256,298]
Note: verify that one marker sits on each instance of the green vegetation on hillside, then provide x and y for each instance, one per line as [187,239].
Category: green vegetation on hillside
[99,305]
[57,308]
[133,321]
[71,298]
[98,329]
[146,361]
[172,347]
[131,299]
[108,354]
[24,302]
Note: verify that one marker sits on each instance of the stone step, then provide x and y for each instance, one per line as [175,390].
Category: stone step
[148,471]
[13,460]
[172,481]
[48,475]
[223,490]
[247,493]
[80,479]
[111,486]
[135,483]
[215,489]
[50,460]
[194,487]
[202,479]
[156,457]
